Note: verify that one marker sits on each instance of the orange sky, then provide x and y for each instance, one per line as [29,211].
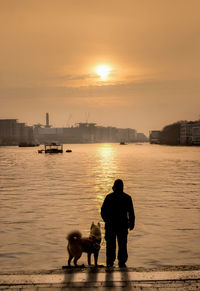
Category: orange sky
[50,50]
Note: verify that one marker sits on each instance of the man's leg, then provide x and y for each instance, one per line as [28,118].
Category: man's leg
[122,244]
[110,247]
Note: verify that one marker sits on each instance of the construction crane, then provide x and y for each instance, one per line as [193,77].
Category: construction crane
[68,120]
[87,114]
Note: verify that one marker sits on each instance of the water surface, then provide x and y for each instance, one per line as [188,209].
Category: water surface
[45,196]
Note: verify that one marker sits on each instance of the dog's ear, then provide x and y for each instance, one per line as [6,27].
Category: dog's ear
[92,224]
[99,225]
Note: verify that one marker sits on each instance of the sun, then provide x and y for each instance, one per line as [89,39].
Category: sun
[103,71]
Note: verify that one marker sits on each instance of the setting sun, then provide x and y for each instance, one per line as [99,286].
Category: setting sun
[103,71]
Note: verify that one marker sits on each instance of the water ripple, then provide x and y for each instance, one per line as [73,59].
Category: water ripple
[45,196]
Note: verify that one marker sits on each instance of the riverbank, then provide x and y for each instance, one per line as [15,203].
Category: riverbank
[163,278]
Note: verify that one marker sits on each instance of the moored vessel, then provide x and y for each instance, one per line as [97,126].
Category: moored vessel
[52,148]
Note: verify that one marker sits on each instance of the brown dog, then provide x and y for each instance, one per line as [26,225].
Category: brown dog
[78,244]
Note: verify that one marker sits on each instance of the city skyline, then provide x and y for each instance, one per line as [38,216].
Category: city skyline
[13,132]
[116,63]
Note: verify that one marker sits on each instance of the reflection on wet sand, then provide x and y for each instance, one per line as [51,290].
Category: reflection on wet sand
[109,278]
[92,276]
[125,279]
[69,276]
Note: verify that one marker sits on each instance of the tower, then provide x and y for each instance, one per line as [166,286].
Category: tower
[47,120]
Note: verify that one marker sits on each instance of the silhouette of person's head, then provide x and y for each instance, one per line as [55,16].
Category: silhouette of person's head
[118,186]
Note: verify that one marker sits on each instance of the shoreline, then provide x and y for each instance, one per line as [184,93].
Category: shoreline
[103,269]
[163,278]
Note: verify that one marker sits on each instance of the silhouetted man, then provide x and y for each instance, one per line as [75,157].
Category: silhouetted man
[118,213]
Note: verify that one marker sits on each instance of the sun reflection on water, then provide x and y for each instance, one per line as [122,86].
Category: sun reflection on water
[107,151]
[106,171]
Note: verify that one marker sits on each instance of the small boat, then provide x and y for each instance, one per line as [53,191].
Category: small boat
[123,143]
[68,151]
[40,151]
[52,148]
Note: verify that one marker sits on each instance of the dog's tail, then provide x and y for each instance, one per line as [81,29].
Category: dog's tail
[73,235]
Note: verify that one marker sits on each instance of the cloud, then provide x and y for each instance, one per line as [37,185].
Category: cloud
[48,52]
[75,77]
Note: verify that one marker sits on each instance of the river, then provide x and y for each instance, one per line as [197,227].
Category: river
[44,196]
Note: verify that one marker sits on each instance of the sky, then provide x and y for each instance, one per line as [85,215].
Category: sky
[51,53]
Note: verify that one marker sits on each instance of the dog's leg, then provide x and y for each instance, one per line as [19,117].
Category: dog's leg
[76,259]
[89,259]
[69,260]
[96,254]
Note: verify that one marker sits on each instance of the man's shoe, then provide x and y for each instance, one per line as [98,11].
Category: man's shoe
[122,265]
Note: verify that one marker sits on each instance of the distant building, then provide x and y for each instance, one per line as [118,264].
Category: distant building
[190,133]
[84,133]
[154,136]
[126,135]
[185,133]
[141,137]
[196,133]
[178,133]
[13,132]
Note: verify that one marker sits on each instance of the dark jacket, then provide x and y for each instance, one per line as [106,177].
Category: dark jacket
[117,211]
